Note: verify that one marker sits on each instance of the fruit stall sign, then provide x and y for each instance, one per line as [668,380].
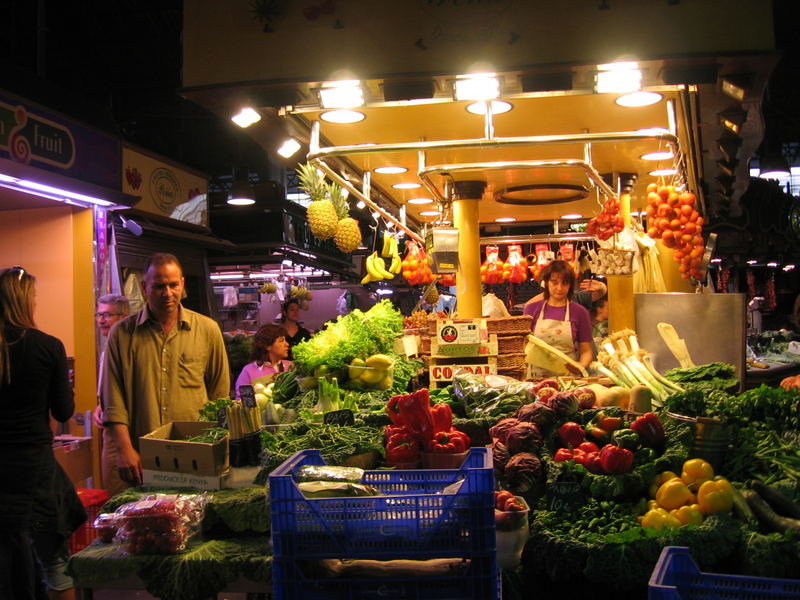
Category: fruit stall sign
[459,332]
[564,496]
[445,372]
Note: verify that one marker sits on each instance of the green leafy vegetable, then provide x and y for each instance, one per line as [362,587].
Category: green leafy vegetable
[209,436]
[210,410]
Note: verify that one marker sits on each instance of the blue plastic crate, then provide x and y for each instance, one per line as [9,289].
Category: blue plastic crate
[676,577]
[292,580]
[411,519]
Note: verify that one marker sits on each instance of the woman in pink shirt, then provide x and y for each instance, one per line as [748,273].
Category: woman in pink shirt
[269,353]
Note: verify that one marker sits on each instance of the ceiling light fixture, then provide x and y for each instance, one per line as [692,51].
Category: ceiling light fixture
[51,192]
[289,148]
[420,201]
[429,213]
[663,155]
[477,86]
[772,264]
[571,216]
[409,185]
[498,107]
[618,78]
[246,117]
[505,219]
[360,204]
[241,194]
[342,116]
[663,172]
[773,165]
[390,170]
[788,268]
[752,262]
[342,94]
[637,99]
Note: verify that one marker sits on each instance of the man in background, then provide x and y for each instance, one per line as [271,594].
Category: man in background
[162,364]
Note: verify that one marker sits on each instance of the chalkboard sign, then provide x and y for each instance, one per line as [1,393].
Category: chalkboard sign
[248,396]
[339,417]
[564,496]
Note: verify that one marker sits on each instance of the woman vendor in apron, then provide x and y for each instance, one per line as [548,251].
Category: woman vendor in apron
[558,321]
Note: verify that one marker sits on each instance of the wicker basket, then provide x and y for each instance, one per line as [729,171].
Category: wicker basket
[507,362]
[511,344]
[515,373]
[425,344]
[508,325]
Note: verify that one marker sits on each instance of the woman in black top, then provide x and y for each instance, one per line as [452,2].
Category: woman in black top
[295,333]
[33,385]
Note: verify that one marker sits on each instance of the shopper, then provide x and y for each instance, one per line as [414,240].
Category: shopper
[161,365]
[559,321]
[599,314]
[295,333]
[33,386]
[269,354]
[111,308]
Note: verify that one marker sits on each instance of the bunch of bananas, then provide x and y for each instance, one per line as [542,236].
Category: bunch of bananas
[376,268]
[269,287]
[300,292]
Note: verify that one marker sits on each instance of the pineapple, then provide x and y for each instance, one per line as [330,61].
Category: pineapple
[321,213]
[348,231]
[431,296]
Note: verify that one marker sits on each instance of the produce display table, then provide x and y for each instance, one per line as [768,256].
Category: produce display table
[232,554]
[772,375]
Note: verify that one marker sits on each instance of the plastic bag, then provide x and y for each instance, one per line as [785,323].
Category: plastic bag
[493,307]
[159,523]
[492,395]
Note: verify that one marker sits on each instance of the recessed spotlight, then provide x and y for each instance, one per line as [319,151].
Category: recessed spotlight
[571,216]
[498,107]
[429,213]
[420,201]
[772,264]
[663,172]
[477,86]
[505,219]
[788,268]
[663,155]
[716,260]
[289,147]
[390,170]
[635,99]
[342,94]
[409,185]
[246,117]
[752,262]
[342,116]
[360,204]
[375,215]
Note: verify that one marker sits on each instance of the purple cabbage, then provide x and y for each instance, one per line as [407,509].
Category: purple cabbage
[500,429]
[564,403]
[522,472]
[523,437]
[500,456]
[536,412]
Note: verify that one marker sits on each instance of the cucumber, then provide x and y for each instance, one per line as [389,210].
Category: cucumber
[740,507]
[778,501]
[769,517]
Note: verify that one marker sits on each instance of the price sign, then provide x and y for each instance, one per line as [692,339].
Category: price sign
[445,372]
[248,396]
[564,496]
[339,417]
[222,417]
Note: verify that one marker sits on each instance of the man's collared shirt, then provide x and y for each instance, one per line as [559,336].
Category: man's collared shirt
[151,378]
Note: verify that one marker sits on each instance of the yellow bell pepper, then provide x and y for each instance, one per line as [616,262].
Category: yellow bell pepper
[659,519]
[689,514]
[651,504]
[673,494]
[695,472]
[715,496]
[658,480]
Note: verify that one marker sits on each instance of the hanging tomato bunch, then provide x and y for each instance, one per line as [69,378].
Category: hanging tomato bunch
[673,218]
[608,222]
[515,267]
[416,266]
[537,261]
[447,279]
[492,267]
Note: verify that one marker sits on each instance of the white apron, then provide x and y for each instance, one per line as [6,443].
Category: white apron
[558,334]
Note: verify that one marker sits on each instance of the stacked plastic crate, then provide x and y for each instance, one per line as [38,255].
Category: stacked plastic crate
[420,515]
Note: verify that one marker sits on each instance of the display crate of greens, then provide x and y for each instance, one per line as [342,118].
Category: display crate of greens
[418,514]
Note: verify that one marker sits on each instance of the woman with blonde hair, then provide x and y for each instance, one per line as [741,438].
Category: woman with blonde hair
[34,384]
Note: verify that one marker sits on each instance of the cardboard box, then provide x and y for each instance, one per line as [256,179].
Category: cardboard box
[165,449]
[74,454]
[172,480]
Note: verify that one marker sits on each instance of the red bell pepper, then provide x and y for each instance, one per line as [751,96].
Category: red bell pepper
[562,455]
[615,460]
[442,417]
[392,409]
[390,430]
[588,447]
[571,434]
[650,430]
[402,447]
[447,442]
[415,412]
[592,463]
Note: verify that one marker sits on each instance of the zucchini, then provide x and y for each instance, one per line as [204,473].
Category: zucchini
[778,501]
[769,517]
[741,509]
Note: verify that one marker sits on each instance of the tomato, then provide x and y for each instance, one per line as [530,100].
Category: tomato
[652,188]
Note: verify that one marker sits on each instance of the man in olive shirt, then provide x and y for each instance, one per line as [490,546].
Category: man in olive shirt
[161,365]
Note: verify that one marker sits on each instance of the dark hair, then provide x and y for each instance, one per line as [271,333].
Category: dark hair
[265,336]
[597,306]
[162,258]
[558,267]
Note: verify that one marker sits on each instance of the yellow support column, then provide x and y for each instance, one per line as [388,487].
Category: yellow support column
[620,287]
[468,277]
